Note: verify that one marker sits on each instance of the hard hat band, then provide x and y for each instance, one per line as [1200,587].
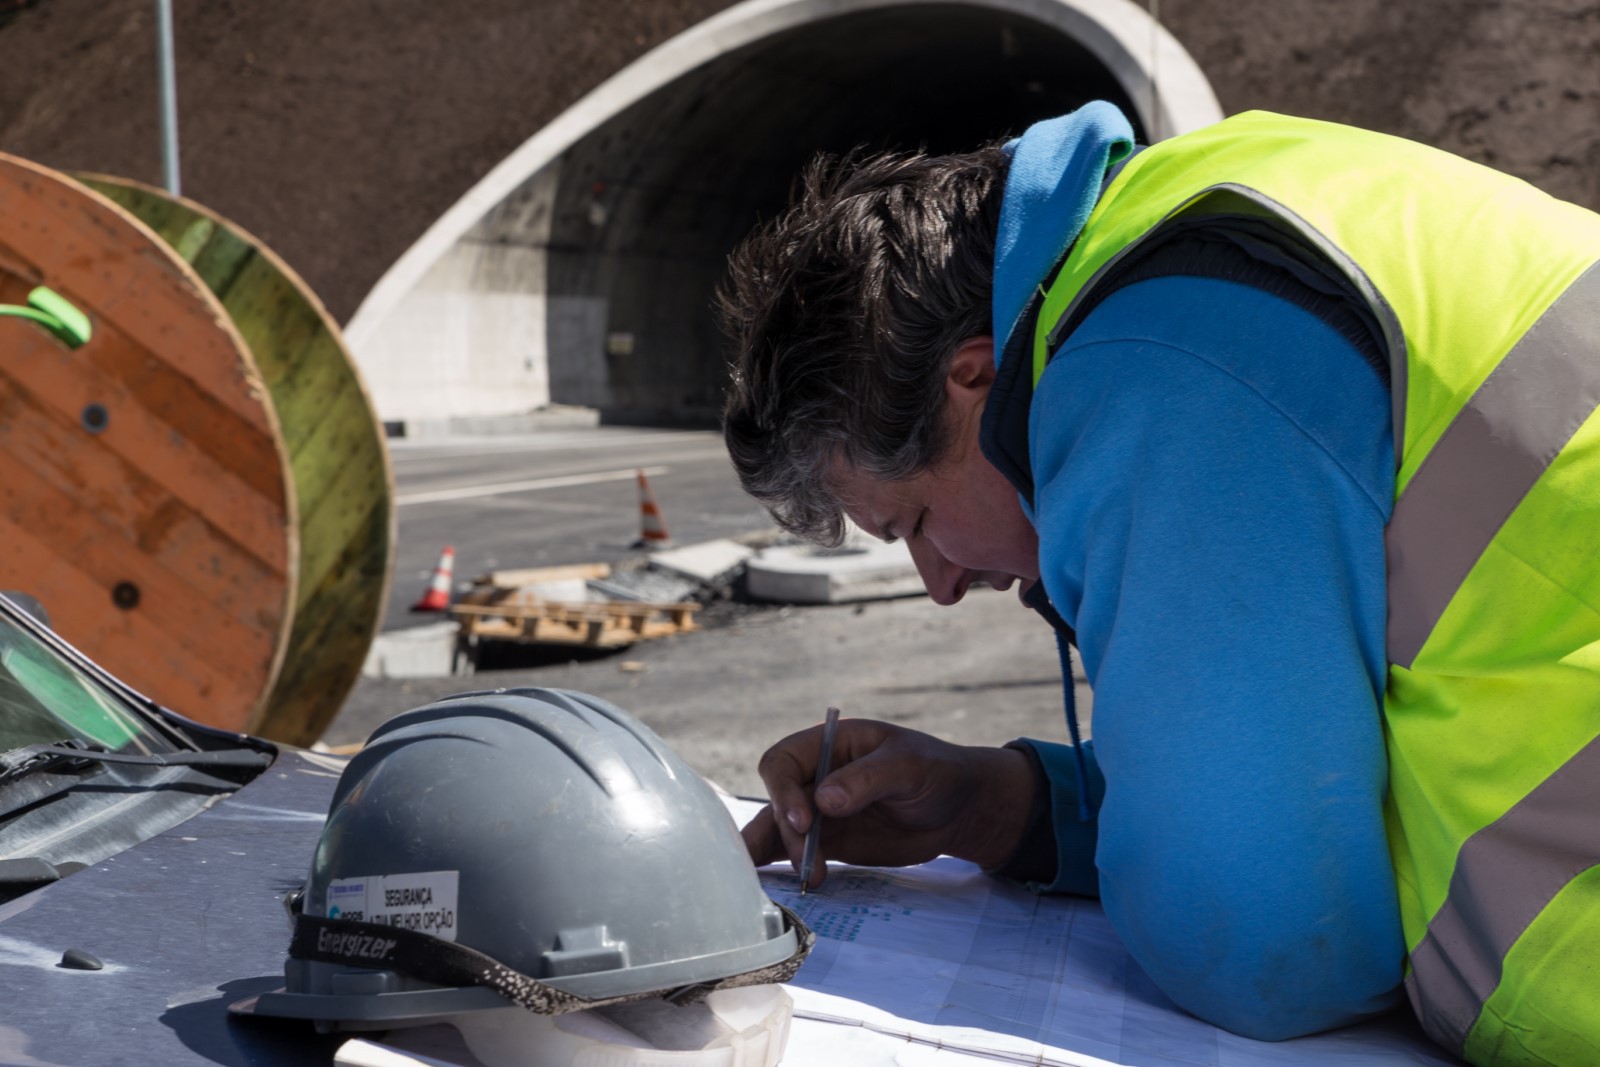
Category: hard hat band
[378,947]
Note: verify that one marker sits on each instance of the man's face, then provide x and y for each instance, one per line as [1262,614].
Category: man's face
[960,518]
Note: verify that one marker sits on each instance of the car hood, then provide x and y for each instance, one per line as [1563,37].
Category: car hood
[185,923]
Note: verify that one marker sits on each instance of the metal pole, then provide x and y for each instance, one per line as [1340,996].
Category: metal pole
[1158,125]
[169,96]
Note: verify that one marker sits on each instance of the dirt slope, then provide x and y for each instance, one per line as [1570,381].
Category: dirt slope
[337,130]
[1511,83]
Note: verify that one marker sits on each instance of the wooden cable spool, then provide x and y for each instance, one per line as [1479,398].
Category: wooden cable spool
[200,495]
[339,464]
[145,497]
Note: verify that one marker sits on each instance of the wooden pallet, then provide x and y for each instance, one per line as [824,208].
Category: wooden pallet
[593,624]
[501,582]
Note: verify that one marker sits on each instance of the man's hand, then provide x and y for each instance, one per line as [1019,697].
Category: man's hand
[895,797]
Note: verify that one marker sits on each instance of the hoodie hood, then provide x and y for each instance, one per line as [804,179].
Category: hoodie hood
[1056,171]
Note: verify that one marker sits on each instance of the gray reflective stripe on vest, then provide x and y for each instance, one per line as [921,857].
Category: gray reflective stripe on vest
[1488,459]
[1505,875]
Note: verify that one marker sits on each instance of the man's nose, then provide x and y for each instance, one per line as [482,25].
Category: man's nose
[945,581]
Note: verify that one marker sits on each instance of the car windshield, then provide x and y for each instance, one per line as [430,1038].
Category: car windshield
[45,699]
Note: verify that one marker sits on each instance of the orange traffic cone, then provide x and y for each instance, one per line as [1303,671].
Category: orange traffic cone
[653,532]
[437,598]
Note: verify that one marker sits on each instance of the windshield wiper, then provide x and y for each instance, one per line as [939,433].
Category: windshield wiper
[23,761]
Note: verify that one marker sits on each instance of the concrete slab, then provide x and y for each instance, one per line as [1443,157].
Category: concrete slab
[710,562]
[861,569]
[646,586]
[420,652]
[554,417]
[563,591]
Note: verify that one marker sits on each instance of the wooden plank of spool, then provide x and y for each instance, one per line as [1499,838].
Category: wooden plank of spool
[146,498]
[342,482]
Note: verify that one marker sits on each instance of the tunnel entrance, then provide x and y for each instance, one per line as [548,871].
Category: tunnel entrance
[649,205]
[581,270]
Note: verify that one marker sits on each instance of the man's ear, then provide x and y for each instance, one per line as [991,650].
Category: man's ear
[971,368]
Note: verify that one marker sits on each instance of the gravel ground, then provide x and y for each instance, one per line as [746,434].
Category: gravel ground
[982,672]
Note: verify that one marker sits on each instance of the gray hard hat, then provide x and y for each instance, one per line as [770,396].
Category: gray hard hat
[534,845]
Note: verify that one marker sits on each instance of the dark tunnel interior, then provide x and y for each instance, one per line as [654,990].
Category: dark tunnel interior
[649,204]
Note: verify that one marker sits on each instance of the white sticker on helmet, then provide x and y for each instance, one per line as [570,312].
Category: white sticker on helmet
[424,901]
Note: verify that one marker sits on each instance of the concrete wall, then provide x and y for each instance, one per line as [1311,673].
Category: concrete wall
[470,338]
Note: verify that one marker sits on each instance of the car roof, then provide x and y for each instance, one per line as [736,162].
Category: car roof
[185,923]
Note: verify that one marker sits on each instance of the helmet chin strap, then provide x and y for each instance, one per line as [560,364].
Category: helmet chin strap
[1037,599]
[379,947]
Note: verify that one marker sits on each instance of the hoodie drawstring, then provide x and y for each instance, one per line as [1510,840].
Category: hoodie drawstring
[1085,805]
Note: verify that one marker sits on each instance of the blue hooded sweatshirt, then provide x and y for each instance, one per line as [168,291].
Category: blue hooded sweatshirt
[1212,472]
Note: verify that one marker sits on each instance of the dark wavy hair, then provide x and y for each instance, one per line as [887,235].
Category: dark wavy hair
[842,315]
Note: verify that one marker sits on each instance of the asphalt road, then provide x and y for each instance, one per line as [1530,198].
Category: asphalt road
[982,672]
[555,497]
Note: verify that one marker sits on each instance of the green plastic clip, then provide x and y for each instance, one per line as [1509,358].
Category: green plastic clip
[55,313]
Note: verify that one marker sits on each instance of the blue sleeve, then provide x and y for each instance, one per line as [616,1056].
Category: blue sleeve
[1076,838]
[1214,473]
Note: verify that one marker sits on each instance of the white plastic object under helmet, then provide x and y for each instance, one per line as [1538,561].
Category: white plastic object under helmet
[743,1027]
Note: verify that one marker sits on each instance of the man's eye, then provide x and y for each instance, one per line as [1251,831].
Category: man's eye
[922,516]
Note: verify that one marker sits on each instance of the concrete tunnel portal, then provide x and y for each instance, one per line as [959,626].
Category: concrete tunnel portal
[588,278]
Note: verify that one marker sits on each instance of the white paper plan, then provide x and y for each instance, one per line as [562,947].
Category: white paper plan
[941,955]
[944,955]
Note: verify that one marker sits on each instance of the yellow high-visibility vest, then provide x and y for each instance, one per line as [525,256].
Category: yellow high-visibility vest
[1486,296]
